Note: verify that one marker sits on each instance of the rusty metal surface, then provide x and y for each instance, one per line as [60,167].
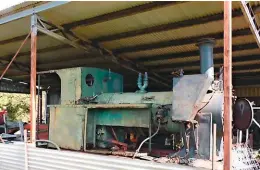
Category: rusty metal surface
[116,106]
[162,98]
[108,106]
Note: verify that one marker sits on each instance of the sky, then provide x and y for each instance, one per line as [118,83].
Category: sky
[8,3]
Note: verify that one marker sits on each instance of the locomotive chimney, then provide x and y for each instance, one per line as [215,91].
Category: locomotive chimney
[206,56]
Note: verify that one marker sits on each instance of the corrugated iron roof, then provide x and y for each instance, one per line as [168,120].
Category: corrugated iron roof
[146,34]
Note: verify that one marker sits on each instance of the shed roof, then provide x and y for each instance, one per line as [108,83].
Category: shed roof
[154,36]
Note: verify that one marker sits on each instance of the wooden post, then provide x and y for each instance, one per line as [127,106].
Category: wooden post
[33,78]
[227,84]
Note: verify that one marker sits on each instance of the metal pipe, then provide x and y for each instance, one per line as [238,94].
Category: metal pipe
[45,72]
[240,136]
[227,84]
[142,85]
[38,106]
[85,131]
[206,56]
[150,133]
[48,141]
[145,84]
[247,133]
[139,81]
[17,52]
[256,123]
[33,78]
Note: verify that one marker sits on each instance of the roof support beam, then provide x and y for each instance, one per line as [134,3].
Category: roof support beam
[120,14]
[62,38]
[250,18]
[217,50]
[108,55]
[31,11]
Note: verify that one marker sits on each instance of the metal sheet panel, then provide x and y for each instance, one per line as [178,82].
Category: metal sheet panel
[160,98]
[70,85]
[122,117]
[189,47]
[67,126]
[205,137]
[86,10]
[188,93]
[12,157]
[185,32]
[47,159]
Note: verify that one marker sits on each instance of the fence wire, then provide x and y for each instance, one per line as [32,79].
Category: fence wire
[243,158]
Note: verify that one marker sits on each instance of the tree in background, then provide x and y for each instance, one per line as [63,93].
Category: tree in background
[17,106]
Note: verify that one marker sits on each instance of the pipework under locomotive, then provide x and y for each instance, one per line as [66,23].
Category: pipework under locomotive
[94,113]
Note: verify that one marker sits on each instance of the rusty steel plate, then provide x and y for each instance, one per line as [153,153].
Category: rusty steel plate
[242,114]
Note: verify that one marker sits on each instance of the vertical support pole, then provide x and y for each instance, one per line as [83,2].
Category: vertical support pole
[38,107]
[45,107]
[240,136]
[85,131]
[25,151]
[247,133]
[214,145]
[33,78]
[237,136]
[39,100]
[21,130]
[5,124]
[150,133]
[227,84]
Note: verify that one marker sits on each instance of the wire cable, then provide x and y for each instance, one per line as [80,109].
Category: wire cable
[150,137]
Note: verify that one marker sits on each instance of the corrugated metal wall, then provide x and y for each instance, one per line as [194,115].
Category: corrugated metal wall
[12,157]
[253,91]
